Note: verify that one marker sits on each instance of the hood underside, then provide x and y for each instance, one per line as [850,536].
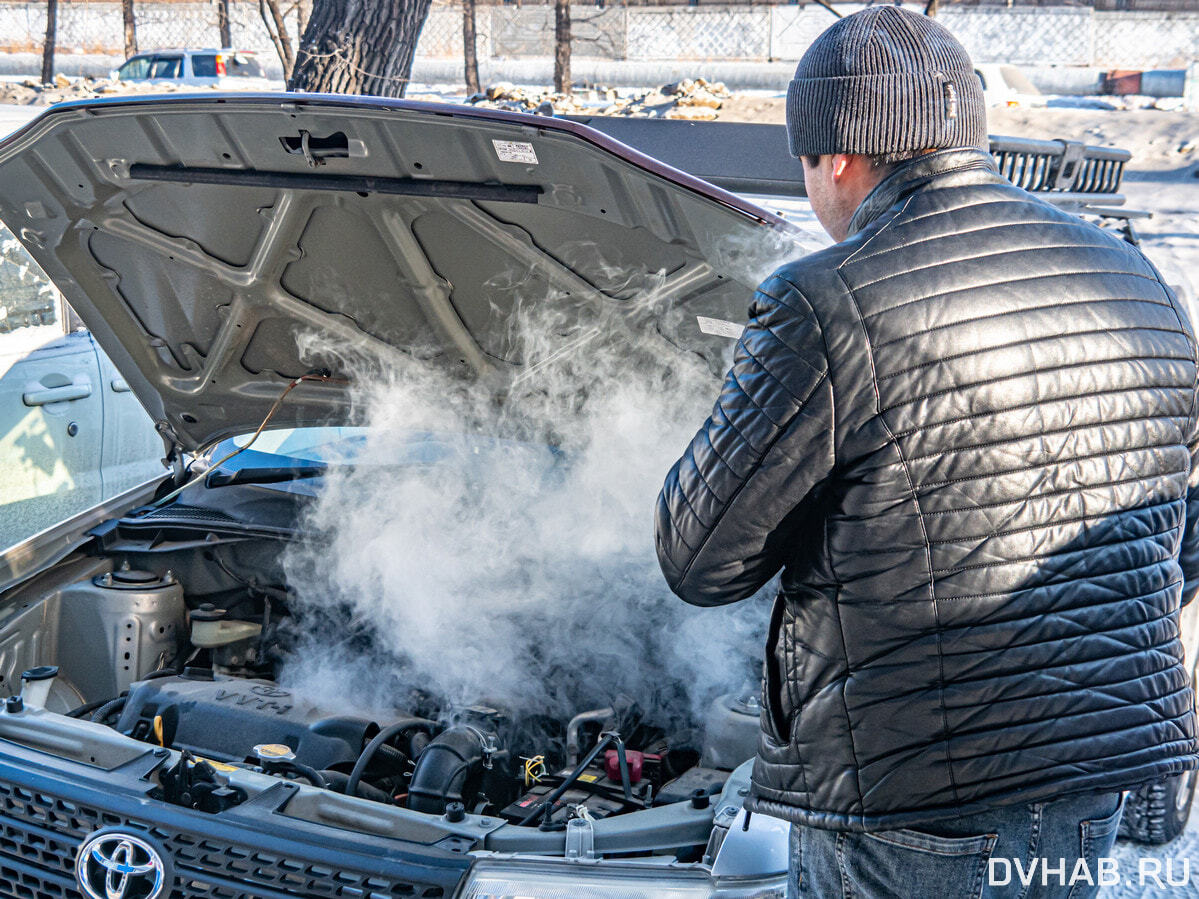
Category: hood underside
[218,247]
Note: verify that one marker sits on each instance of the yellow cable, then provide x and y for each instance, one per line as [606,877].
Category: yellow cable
[534,769]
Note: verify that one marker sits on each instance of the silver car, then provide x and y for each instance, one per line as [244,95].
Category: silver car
[247,262]
[227,69]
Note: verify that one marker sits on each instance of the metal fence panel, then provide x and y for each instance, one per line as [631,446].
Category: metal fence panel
[793,28]
[529,31]
[698,33]
[441,38]
[1058,35]
[1133,40]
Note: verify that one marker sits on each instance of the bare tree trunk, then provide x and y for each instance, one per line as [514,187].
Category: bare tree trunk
[352,47]
[562,46]
[130,28]
[276,27]
[931,8]
[51,37]
[303,14]
[222,23]
[470,55]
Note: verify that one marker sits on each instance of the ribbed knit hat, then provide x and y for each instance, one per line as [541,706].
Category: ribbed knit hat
[885,80]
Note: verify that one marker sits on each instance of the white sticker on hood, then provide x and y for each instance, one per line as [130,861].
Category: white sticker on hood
[515,151]
[719,327]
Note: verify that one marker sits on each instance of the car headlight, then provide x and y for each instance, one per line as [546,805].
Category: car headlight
[521,880]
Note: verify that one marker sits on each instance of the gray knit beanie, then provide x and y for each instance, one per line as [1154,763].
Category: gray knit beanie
[885,80]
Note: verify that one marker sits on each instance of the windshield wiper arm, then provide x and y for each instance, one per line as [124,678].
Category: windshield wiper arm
[219,478]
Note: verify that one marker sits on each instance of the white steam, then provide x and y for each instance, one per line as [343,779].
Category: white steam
[503,552]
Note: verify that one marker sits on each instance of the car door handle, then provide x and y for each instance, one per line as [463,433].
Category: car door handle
[56,394]
[120,385]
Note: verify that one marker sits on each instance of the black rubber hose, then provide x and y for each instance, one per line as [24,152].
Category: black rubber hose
[90,707]
[108,708]
[373,746]
[390,758]
[307,772]
[338,780]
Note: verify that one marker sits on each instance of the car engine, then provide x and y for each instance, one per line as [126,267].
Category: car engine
[199,678]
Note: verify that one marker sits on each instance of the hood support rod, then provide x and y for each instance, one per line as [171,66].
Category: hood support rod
[406,187]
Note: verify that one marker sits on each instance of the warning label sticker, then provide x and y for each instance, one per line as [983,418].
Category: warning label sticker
[719,327]
[515,151]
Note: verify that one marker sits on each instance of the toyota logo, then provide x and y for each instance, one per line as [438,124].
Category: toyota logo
[113,864]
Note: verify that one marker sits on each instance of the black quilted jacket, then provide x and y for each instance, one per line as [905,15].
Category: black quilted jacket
[966,435]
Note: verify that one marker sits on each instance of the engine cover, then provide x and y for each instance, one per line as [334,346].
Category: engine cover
[226,717]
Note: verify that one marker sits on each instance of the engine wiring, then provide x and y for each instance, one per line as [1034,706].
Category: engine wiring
[296,382]
[534,770]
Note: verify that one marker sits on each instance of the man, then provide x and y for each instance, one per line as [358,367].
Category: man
[966,434]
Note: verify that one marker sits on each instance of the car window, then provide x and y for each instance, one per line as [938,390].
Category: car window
[243,67]
[166,67]
[72,434]
[204,65]
[138,67]
[27,298]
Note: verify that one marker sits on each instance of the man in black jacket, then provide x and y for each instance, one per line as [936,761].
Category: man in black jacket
[966,435]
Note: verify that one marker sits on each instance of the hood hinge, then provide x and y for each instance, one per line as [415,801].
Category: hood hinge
[174,456]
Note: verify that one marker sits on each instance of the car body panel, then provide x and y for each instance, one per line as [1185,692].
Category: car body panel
[51,419]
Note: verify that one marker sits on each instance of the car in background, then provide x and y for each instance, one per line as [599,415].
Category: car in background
[227,69]
[1005,85]
[72,434]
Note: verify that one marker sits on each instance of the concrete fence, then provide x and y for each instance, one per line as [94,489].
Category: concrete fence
[1066,35]
[1040,36]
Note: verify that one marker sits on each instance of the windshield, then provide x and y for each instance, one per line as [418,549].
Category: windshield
[308,445]
[138,67]
[329,447]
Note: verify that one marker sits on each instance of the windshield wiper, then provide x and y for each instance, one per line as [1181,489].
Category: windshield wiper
[220,478]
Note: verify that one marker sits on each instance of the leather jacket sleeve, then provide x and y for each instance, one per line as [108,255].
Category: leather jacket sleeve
[727,504]
[1188,552]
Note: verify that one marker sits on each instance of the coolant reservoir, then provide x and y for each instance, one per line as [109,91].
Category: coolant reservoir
[731,730]
[118,627]
[211,629]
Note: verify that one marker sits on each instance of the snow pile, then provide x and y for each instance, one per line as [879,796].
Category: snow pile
[690,98]
[32,92]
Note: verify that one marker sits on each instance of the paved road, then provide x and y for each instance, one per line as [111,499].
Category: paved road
[1182,852]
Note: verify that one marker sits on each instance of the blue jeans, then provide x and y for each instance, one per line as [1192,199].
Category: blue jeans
[1046,850]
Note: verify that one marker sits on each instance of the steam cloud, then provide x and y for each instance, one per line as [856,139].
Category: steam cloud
[486,566]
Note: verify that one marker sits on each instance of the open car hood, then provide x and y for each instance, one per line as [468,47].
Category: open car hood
[204,240]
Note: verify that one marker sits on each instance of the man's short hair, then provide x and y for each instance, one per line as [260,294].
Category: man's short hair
[880,160]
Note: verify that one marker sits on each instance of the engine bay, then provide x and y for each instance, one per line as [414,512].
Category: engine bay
[197,673]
